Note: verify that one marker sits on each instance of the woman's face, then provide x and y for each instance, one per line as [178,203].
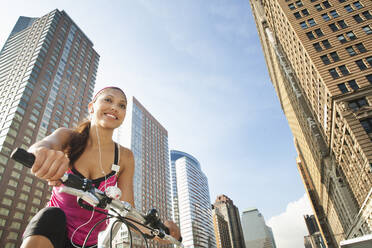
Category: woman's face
[109,108]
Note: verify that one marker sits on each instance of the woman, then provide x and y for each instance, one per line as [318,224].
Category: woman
[88,151]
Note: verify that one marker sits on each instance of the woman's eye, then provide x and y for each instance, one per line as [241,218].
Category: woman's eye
[107,99]
[122,106]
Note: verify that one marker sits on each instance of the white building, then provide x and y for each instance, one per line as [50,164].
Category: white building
[256,233]
[193,202]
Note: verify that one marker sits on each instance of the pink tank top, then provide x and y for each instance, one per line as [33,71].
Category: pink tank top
[77,216]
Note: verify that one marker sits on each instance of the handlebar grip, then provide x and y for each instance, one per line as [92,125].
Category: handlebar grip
[162,226]
[22,156]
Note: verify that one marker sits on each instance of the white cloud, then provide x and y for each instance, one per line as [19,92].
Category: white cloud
[289,228]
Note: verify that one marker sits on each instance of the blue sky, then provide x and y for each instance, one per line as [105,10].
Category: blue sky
[198,67]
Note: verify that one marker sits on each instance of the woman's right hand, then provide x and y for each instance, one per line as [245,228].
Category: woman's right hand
[49,164]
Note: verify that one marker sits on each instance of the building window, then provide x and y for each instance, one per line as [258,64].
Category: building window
[348,8]
[310,35]
[344,70]
[361,47]
[357,5]
[342,24]
[334,73]
[367,29]
[291,6]
[358,19]
[343,88]
[317,47]
[361,64]
[334,14]
[326,4]
[311,22]
[334,56]
[326,17]
[367,125]
[351,35]
[341,38]
[318,32]
[303,25]
[367,15]
[351,51]
[353,84]
[297,15]
[369,60]
[299,4]
[305,12]
[333,27]
[318,7]
[356,104]
[369,78]
[325,59]
[326,44]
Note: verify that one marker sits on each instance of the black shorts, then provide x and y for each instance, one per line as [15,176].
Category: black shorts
[50,222]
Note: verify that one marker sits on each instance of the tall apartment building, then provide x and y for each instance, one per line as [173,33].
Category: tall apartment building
[151,182]
[314,239]
[256,233]
[231,214]
[221,229]
[47,75]
[319,57]
[193,199]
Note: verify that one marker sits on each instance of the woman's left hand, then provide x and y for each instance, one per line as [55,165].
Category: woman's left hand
[174,231]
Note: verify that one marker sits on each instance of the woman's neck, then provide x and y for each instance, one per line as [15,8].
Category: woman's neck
[100,136]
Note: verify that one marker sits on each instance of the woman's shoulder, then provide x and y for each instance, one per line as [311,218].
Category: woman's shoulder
[63,131]
[125,151]
[126,157]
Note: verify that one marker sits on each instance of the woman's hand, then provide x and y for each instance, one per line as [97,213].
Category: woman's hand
[174,231]
[49,164]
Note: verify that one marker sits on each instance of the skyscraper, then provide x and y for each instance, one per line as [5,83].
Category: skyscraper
[319,57]
[256,233]
[221,229]
[47,75]
[314,239]
[149,144]
[193,198]
[231,214]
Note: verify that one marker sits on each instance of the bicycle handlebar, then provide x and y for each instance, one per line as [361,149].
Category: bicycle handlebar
[83,189]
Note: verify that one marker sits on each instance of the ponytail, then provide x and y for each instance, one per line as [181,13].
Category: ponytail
[78,141]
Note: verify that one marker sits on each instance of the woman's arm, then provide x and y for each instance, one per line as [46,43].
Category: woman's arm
[125,177]
[50,160]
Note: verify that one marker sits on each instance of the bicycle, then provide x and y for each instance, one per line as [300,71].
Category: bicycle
[124,213]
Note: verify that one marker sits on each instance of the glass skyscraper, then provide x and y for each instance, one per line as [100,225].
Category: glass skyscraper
[256,233]
[195,219]
[47,75]
[151,181]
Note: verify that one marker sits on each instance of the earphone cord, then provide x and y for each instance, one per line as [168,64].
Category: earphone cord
[100,157]
[103,172]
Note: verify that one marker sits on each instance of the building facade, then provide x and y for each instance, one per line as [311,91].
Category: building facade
[319,57]
[256,233]
[47,75]
[314,239]
[193,198]
[151,181]
[221,229]
[231,214]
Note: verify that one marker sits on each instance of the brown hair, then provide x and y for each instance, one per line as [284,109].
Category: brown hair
[78,141]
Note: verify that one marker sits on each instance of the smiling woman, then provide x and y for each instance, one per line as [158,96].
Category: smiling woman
[89,152]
